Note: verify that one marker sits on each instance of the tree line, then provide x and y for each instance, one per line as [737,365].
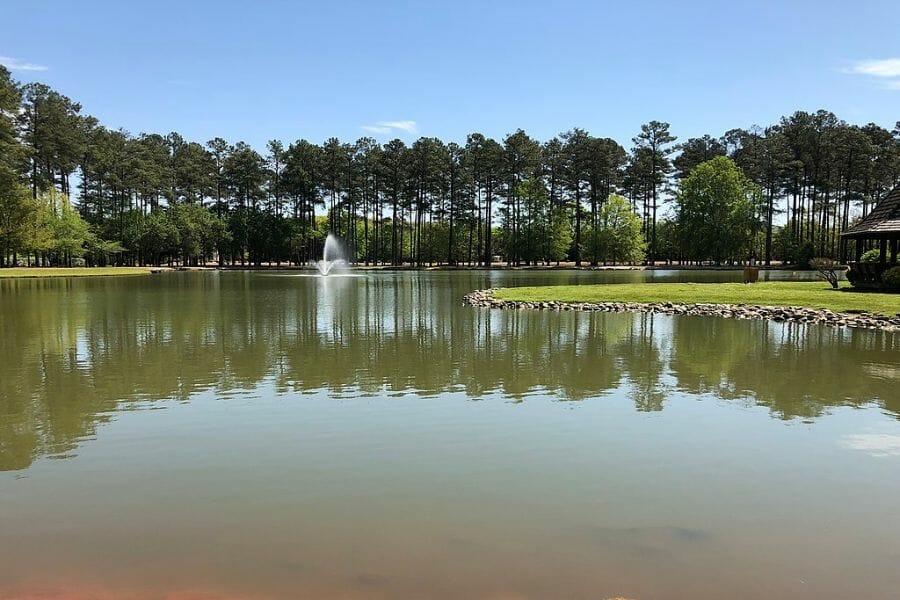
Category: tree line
[72,189]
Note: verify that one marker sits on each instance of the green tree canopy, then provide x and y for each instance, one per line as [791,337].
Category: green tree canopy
[716,208]
[619,238]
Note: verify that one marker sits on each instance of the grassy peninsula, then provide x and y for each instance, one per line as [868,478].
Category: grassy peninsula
[31,272]
[807,294]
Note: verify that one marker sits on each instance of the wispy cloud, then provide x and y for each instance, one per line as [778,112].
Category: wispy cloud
[389,126]
[888,67]
[886,71]
[15,64]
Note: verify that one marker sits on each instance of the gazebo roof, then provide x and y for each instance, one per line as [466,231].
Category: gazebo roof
[882,222]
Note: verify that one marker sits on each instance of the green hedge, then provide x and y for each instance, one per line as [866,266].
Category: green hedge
[890,281]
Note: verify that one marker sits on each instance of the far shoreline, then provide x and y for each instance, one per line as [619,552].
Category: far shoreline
[39,272]
[62,272]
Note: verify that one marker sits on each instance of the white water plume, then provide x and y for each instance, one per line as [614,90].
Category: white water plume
[333,256]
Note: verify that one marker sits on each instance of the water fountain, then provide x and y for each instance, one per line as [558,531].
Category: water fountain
[333,256]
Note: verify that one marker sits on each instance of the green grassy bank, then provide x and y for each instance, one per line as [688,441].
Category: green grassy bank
[782,293]
[72,272]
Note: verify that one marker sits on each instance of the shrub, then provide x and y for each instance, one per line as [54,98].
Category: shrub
[852,277]
[871,256]
[890,280]
[827,268]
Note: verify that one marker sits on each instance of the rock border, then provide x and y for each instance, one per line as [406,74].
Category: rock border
[779,314]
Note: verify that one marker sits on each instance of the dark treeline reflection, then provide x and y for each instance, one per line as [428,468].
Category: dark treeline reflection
[74,351]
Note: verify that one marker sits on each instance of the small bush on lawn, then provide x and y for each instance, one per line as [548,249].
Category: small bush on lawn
[828,269]
[890,281]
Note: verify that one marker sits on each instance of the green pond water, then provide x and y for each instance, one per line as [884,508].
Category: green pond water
[274,435]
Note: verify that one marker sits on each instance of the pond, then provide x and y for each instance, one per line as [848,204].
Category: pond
[272,435]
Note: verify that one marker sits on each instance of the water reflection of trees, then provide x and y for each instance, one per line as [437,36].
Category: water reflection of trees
[73,352]
[793,370]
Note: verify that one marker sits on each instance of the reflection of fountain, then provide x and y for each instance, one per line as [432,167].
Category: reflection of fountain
[332,256]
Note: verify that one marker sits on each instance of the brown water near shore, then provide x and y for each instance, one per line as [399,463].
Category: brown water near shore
[257,436]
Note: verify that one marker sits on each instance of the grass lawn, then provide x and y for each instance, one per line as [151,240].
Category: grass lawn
[73,272]
[771,293]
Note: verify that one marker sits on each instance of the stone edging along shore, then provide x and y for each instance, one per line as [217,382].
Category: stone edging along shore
[781,314]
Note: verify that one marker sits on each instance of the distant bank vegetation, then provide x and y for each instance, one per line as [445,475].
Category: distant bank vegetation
[73,191]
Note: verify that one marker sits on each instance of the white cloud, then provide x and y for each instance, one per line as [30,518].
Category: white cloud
[886,71]
[14,64]
[407,126]
[389,126]
[888,67]
[878,445]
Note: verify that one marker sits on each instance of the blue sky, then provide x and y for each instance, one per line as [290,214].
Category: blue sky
[289,70]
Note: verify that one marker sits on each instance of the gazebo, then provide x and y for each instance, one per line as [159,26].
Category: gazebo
[882,225]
